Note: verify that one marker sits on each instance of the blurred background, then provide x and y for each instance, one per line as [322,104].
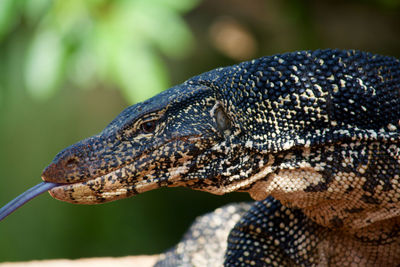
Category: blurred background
[67,68]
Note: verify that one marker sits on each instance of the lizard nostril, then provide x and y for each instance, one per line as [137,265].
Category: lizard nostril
[71,162]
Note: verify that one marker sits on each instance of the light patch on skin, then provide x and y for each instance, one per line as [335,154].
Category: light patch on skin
[249,144]
[394,151]
[178,171]
[361,83]
[288,181]
[391,127]
[288,145]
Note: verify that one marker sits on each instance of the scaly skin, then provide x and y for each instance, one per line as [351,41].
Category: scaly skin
[313,136]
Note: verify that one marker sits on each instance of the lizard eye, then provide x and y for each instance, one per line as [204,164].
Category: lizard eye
[148,126]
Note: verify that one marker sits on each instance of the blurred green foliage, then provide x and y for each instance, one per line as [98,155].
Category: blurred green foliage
[97,41]
[51,50]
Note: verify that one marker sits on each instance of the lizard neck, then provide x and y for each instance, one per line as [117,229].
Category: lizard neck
[332,189]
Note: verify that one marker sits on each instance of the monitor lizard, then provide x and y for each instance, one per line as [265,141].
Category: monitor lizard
[312,136]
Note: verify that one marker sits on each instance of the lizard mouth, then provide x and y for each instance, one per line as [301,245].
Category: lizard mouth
[102,189]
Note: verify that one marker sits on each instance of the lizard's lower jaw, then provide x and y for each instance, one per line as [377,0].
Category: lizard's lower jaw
[100,190]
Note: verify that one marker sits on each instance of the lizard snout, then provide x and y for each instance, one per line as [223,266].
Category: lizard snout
[68,166]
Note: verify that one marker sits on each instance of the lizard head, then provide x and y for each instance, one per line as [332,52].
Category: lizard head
[168,140]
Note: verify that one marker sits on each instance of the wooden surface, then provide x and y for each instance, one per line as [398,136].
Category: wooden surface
[143,261]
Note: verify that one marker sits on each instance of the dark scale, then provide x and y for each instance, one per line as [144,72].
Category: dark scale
[312,136]
[271,237]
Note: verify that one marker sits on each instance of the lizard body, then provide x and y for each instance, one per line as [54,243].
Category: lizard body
[313,136]
[205,243]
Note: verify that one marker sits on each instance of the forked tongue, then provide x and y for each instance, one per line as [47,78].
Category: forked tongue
[20,200]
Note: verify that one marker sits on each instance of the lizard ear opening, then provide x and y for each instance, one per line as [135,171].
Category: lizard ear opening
[223,122]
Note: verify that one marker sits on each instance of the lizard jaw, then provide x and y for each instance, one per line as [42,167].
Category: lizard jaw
[86,192]
[101,189]
[113,186]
